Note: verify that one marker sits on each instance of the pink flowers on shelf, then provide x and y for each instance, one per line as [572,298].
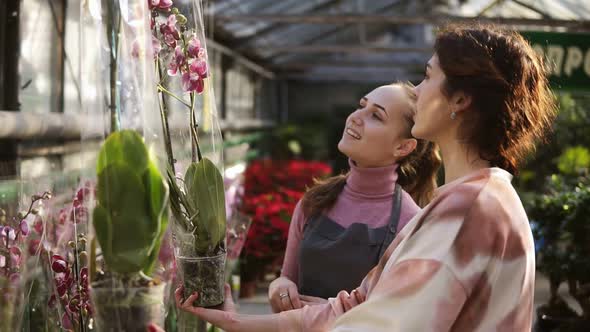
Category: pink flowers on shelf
[68,260]
[14,250]
[13,231]
[71,283]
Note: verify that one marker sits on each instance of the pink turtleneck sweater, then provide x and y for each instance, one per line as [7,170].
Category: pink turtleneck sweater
[367,198]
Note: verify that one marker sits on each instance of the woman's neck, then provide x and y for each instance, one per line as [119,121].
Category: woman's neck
[460,160]
[371,181]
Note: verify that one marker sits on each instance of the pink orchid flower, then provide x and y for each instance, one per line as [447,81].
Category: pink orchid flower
[159,4]
[171,34]
[191,81]
[177,61]
[7,232]
[199,67]
[24,227]
[15,256]
[194,46]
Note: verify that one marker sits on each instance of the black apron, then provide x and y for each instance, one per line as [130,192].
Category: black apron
[333,258]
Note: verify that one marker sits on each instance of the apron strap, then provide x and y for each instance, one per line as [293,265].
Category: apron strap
[394,220]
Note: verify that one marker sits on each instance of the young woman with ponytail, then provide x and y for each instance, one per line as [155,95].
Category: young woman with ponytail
[342,226]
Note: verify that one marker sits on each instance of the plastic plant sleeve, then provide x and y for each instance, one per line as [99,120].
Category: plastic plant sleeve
[192,140]
[18,267]
[39,314]
[129,207]
[65,255]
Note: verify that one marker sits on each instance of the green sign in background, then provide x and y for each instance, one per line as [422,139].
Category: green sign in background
[568,56]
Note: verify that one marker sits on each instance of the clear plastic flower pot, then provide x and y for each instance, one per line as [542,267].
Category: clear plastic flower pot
[205,275]
[127,309]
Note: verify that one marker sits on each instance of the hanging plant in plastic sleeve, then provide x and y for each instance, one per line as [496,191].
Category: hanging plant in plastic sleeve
[129,211]
[64,250]
[42,289]
[193,147]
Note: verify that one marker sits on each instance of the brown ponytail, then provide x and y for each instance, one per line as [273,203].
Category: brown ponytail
[417,172]
[322,195]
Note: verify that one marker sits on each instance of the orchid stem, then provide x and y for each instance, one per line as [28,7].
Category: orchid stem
[161,88]
[113,28]
[165,125]
[193,128]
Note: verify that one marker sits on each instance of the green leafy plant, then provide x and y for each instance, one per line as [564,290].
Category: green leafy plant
[571,129]
[562,235]
[129,218]
[574,160]
[201,206]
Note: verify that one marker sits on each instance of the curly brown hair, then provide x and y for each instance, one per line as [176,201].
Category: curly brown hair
[513,105]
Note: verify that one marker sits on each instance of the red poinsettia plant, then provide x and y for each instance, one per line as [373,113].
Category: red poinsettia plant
[272,190]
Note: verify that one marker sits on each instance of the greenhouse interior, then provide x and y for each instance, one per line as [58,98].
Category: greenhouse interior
[315,165]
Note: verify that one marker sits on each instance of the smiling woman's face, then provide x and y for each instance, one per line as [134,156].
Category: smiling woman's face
[375,130]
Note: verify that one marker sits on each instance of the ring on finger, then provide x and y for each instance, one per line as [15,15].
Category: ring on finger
[283,295]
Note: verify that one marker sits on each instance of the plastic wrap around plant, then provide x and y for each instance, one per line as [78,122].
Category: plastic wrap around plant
[129,212]
[19,263]
[66,259]
[192,142]
[124,309]
[42,232]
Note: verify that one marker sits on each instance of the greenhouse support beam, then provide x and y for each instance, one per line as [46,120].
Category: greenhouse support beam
[354,49]
[51,125]
[260,70]
[302,66]
[578,25]
[30,125]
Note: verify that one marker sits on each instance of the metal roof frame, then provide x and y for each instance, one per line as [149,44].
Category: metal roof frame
[294,36]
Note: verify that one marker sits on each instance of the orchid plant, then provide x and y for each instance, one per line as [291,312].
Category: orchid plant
[198,207]
[70,275]
[13,231]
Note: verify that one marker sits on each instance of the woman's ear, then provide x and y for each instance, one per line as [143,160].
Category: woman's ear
[460,101]
[407,146]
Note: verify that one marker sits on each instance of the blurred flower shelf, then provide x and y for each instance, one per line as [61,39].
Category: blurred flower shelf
[271,192]
[560,226]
